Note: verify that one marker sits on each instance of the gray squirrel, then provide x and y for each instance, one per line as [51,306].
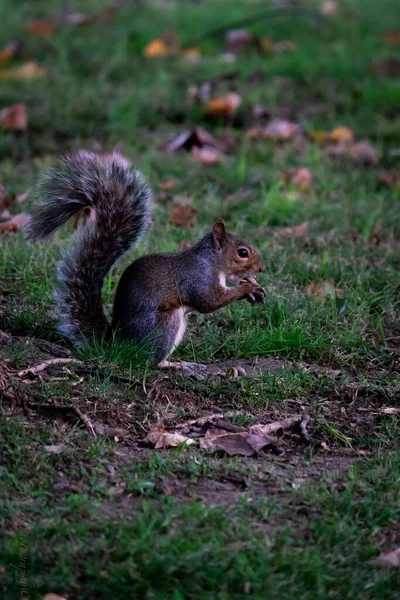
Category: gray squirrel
[155,292]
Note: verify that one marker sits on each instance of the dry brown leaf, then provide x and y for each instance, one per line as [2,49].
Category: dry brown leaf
[41,28]
[51,596]
[390,179]
[195,137]
[298,231]
[183,216]
[323,289]
[301,178]
[341,135]
[387,68]
[239,40]
[277,129]
[14,117]
[163,439]
[224,106]
[275,426]
[27,71]
[8,52]
[389,559]
[16,223]
[207,155]
[392,37]
[247,444]
[363,153]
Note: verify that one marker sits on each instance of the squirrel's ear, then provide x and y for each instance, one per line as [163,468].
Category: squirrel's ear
[219,234]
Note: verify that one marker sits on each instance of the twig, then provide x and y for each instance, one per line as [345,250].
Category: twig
[275,425]
[33,370]
[86,421]
[66,408]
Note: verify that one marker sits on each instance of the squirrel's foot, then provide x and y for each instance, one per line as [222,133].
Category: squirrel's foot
[191,368]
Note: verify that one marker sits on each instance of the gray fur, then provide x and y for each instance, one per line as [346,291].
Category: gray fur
[121,201]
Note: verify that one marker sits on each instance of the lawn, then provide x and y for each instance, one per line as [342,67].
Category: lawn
[87,508]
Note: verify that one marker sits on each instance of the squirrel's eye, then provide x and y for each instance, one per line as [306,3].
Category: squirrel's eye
[243,253]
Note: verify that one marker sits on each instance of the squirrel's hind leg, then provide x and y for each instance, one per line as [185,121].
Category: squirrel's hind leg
[172,327]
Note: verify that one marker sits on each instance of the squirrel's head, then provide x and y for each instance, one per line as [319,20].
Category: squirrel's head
[239,259]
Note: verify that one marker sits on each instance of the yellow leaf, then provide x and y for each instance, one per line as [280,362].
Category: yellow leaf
[25,72]
[156,48]
[223,106]
[267,44]
[318,136]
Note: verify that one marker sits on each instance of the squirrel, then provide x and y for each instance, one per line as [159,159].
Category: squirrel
[155,292]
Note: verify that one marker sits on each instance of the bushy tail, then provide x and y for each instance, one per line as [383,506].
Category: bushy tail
[121,201]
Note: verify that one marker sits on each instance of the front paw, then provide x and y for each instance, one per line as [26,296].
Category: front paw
[253,292]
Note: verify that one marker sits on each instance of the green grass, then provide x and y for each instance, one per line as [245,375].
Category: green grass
[181,524]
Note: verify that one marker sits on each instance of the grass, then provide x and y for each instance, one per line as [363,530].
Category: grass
[106,517]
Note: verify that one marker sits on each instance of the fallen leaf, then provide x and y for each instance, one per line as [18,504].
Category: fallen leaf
[276,426]
[298,231]
[166,45]
[14,117]
[267,44]
[156,48]
[363,152]
[51,596]
[41,28]
[387,68]
[389,559]
[329,7]
[16,223]
[390,179]
[277,129]
[162,439]
[183,216]
[324,289]
[56,449]
[341,135]
[239,40]
[195,137]
[27,71]
[301,178]
[5,215]
[247,444]
[207,155]
[391,37]
[224,106]
[8,52]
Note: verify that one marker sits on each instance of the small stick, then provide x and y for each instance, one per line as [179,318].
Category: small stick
[86,421]
[48,363]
